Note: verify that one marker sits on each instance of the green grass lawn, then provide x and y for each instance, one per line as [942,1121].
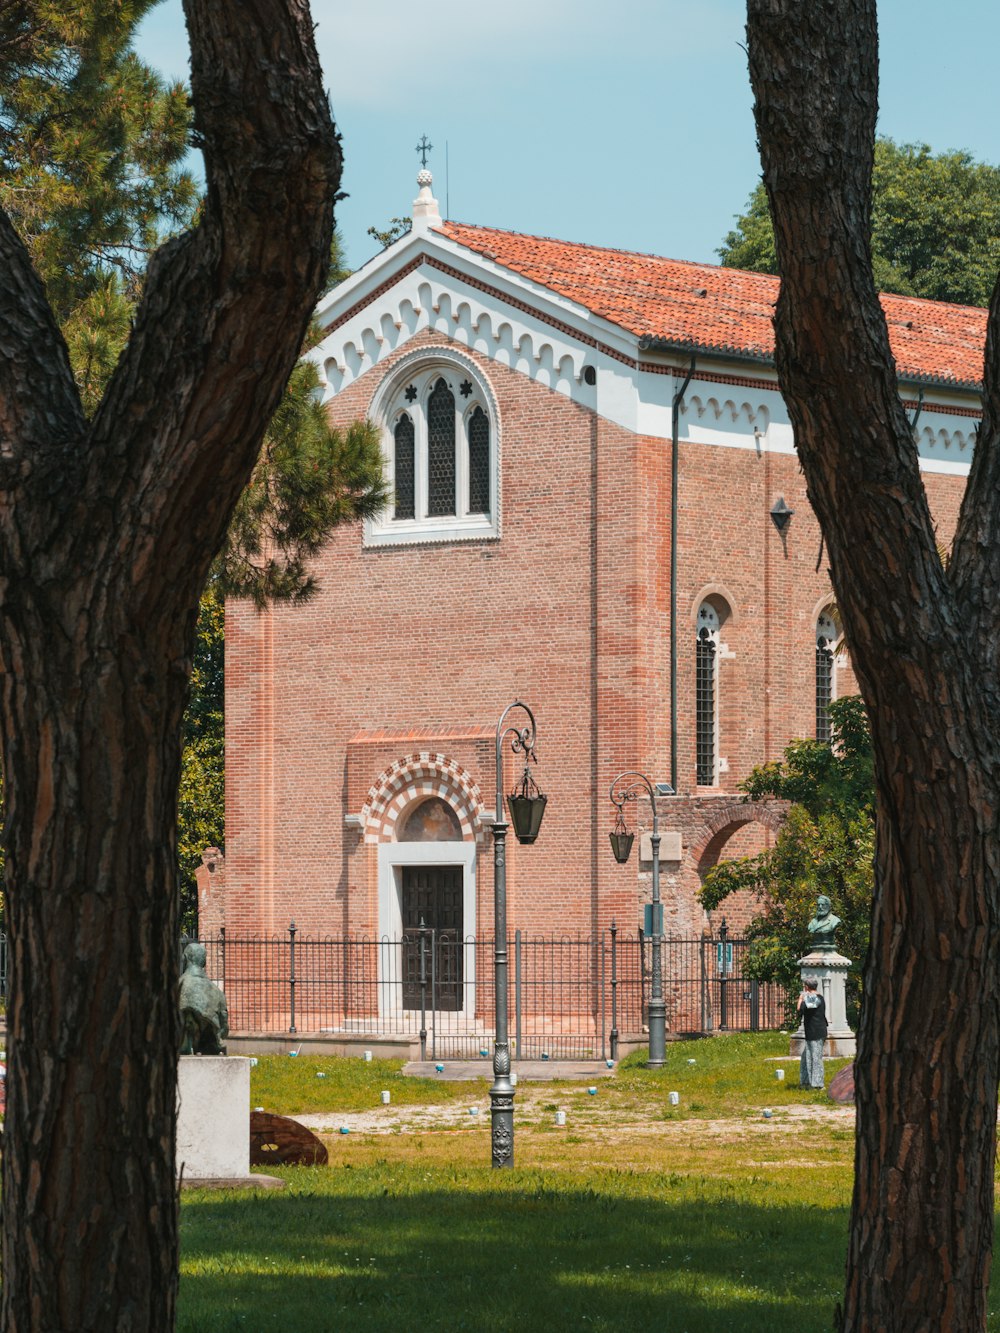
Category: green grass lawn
[636,1215]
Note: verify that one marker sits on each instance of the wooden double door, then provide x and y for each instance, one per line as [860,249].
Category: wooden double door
[433,899]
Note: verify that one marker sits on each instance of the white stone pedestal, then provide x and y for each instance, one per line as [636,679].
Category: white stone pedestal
[829,971]
[213,1117]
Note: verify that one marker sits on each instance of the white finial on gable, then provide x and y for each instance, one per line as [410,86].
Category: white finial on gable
[426,211]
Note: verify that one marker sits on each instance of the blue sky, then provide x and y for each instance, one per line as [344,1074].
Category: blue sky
[627,125]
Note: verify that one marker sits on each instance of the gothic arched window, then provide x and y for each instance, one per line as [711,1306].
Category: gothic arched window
[403,466]
[479,462]
[441,453]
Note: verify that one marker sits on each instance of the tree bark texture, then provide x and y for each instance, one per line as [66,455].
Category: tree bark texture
[107,531]
[925,642]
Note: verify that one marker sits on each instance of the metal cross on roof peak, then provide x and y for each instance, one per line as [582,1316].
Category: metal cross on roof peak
[423,148]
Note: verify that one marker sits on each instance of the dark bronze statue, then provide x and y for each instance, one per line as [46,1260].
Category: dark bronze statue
[823,926]
[204,1011]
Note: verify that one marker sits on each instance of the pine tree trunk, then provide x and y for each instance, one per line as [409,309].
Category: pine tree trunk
[107,532]
[924,640]
[90,1231]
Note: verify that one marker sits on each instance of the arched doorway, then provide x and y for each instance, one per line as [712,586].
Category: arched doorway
[423,819]
[432,909]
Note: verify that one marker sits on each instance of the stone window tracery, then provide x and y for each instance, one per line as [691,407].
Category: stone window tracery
[442,457]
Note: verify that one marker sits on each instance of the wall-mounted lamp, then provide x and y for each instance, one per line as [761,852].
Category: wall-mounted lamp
[781,515]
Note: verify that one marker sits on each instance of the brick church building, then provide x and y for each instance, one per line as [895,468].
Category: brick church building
[597,510]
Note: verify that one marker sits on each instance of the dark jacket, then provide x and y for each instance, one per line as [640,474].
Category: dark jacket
[813,1017]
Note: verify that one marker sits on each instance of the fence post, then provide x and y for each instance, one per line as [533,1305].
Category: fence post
[517,995]
[434,994]
[423,990]
[723,998]
[291,977]
[754,1005]
[643,1013]
[614,989]
[222,956]
[706,1008]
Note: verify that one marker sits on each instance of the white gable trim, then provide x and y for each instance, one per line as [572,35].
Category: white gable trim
[425,282]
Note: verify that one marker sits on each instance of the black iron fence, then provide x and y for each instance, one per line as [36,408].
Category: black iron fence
[568,998]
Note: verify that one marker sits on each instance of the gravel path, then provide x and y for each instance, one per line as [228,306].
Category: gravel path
[421,1118]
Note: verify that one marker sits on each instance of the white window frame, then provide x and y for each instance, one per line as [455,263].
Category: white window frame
[826,628]
[421,370]
[708,619]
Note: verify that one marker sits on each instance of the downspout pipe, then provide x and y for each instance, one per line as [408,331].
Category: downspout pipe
[674,473]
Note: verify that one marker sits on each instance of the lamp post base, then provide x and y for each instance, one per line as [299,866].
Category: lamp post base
[502,1109]
[657,1034]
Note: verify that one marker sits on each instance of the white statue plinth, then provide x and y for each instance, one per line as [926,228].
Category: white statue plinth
[829,971]
[213,1117]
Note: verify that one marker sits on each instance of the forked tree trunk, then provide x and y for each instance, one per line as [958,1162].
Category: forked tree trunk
[925,642]
[107,530]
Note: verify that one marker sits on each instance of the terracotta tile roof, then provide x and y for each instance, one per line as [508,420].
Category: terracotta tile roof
[720,309]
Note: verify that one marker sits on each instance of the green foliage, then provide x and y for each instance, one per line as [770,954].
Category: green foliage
[935,225]
[395,228]
[96,331]
[338,270]
[310,478]
[92,144]
[201,795]
[826,846]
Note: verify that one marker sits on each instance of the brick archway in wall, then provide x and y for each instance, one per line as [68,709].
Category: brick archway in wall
[720,822]
[722,819]
[413,778]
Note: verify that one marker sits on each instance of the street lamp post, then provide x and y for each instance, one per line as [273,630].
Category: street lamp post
[625,788]
[527,805]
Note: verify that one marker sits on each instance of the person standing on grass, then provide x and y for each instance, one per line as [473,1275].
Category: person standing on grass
[812,1012]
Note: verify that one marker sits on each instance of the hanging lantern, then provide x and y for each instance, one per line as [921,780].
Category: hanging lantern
[621,839]
[526,805]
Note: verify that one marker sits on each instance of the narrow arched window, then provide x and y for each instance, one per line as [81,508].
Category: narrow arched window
[479,462]
[404,467]
[706,695]
[826,637]
[440,451]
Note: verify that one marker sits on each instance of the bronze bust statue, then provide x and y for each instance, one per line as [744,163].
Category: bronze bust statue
[204,1012]
[823,927]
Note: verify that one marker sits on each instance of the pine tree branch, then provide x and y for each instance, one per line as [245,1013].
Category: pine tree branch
[226,306]
[39,404]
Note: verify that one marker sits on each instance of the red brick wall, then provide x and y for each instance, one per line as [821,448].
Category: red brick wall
[418,649]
